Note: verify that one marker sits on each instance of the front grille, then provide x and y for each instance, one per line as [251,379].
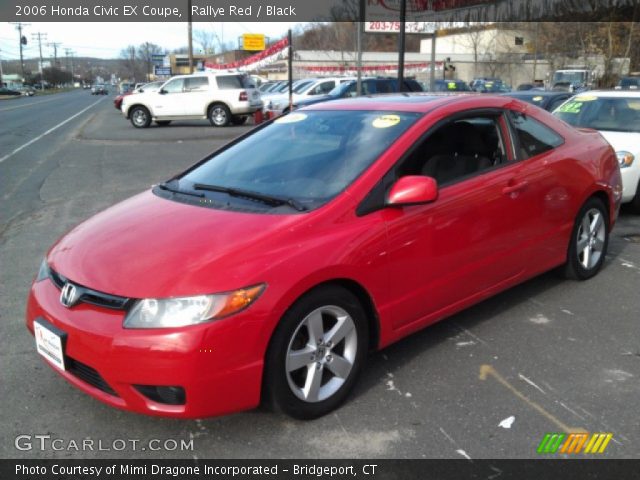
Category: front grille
[88,375]
[86,295]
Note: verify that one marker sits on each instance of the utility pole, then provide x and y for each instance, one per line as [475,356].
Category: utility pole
[40,36]
[1,84]
[22,41]
[190,37]
[68,52]
[401,44]
[55,46]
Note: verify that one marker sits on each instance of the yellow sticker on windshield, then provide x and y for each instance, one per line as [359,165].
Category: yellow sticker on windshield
[291,118]
[386,121]
[537,99]
[451,85]
[585,98]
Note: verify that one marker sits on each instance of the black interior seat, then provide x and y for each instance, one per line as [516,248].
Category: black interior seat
[463,152]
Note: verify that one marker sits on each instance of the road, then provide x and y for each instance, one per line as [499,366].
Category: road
[546,356]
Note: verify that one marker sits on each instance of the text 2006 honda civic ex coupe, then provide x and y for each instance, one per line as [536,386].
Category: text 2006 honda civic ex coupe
[267,271]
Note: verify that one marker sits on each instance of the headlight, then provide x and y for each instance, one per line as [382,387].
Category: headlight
[179,312]
[43,271]
[625,159]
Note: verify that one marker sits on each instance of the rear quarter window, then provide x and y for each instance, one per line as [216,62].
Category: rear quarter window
[533,138]
[232,82]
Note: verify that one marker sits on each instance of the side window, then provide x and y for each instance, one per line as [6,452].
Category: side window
[457,150]
[230,82]
[195,84]
[384,87]
[174,86]
[533,138]
[323,88]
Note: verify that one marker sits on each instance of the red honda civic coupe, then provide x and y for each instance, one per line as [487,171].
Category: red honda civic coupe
[268,270]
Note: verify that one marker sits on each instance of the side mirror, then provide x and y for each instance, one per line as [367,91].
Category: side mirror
[162,91]
[413,190]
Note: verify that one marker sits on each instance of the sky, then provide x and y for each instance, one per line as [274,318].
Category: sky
[106,40]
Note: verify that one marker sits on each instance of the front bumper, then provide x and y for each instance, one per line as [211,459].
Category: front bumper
[630,181]
[217,363]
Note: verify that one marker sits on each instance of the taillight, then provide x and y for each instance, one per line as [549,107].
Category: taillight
[243,96]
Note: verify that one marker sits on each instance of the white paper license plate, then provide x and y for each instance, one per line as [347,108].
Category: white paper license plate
[49,343]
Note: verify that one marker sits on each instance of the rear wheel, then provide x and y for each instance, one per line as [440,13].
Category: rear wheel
[140,117]
[219,115]
[589,241]
[316,353]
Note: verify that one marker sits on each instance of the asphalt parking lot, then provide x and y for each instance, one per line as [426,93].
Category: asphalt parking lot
[547,356]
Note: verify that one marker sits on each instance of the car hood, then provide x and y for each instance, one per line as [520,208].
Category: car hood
[148,247]
[627,141]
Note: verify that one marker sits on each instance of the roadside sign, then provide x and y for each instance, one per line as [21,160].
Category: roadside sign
[162,71]
[157,59]
[253,41]
[394,27]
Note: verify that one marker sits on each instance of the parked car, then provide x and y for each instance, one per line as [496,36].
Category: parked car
[303,89]
[628,83]
[452,85]
[370,86]
[9,92]
[143,87]
[616,115]
[99,90]
[490,86]
[27,91]
[222,98]
[543,99]
[269,270]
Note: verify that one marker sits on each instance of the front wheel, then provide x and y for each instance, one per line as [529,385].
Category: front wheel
[316,353]
[589,241]
[219,115]
[140,117]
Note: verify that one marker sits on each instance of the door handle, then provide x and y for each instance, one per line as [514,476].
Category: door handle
[515,187]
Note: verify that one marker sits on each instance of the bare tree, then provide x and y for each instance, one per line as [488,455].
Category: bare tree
[207,40]
[146,51]
[129,61]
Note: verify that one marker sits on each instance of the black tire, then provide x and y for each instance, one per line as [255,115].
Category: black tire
[163,123]
[239,119]
[581,265]
[140,117]
[219,115]
[284,385]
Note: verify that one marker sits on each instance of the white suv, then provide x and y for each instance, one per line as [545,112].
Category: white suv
[223,98]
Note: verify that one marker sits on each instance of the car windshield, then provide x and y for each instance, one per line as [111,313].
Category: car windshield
[306,156]
[629,82]
[570,77]
[302,86]
[601,113]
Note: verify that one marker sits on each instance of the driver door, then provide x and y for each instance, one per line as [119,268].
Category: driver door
[170,100]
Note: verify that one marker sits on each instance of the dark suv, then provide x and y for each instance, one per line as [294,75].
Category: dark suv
[370,86]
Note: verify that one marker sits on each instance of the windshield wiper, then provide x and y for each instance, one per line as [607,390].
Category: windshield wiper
[272,200]
[165,186]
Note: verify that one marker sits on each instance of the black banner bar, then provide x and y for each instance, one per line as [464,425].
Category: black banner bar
[447,11]
[542,469]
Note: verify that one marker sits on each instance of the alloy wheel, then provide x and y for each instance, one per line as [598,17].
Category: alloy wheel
[591,238]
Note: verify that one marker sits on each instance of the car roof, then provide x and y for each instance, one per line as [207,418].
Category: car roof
[610,93]
[535,93]
[419,102]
